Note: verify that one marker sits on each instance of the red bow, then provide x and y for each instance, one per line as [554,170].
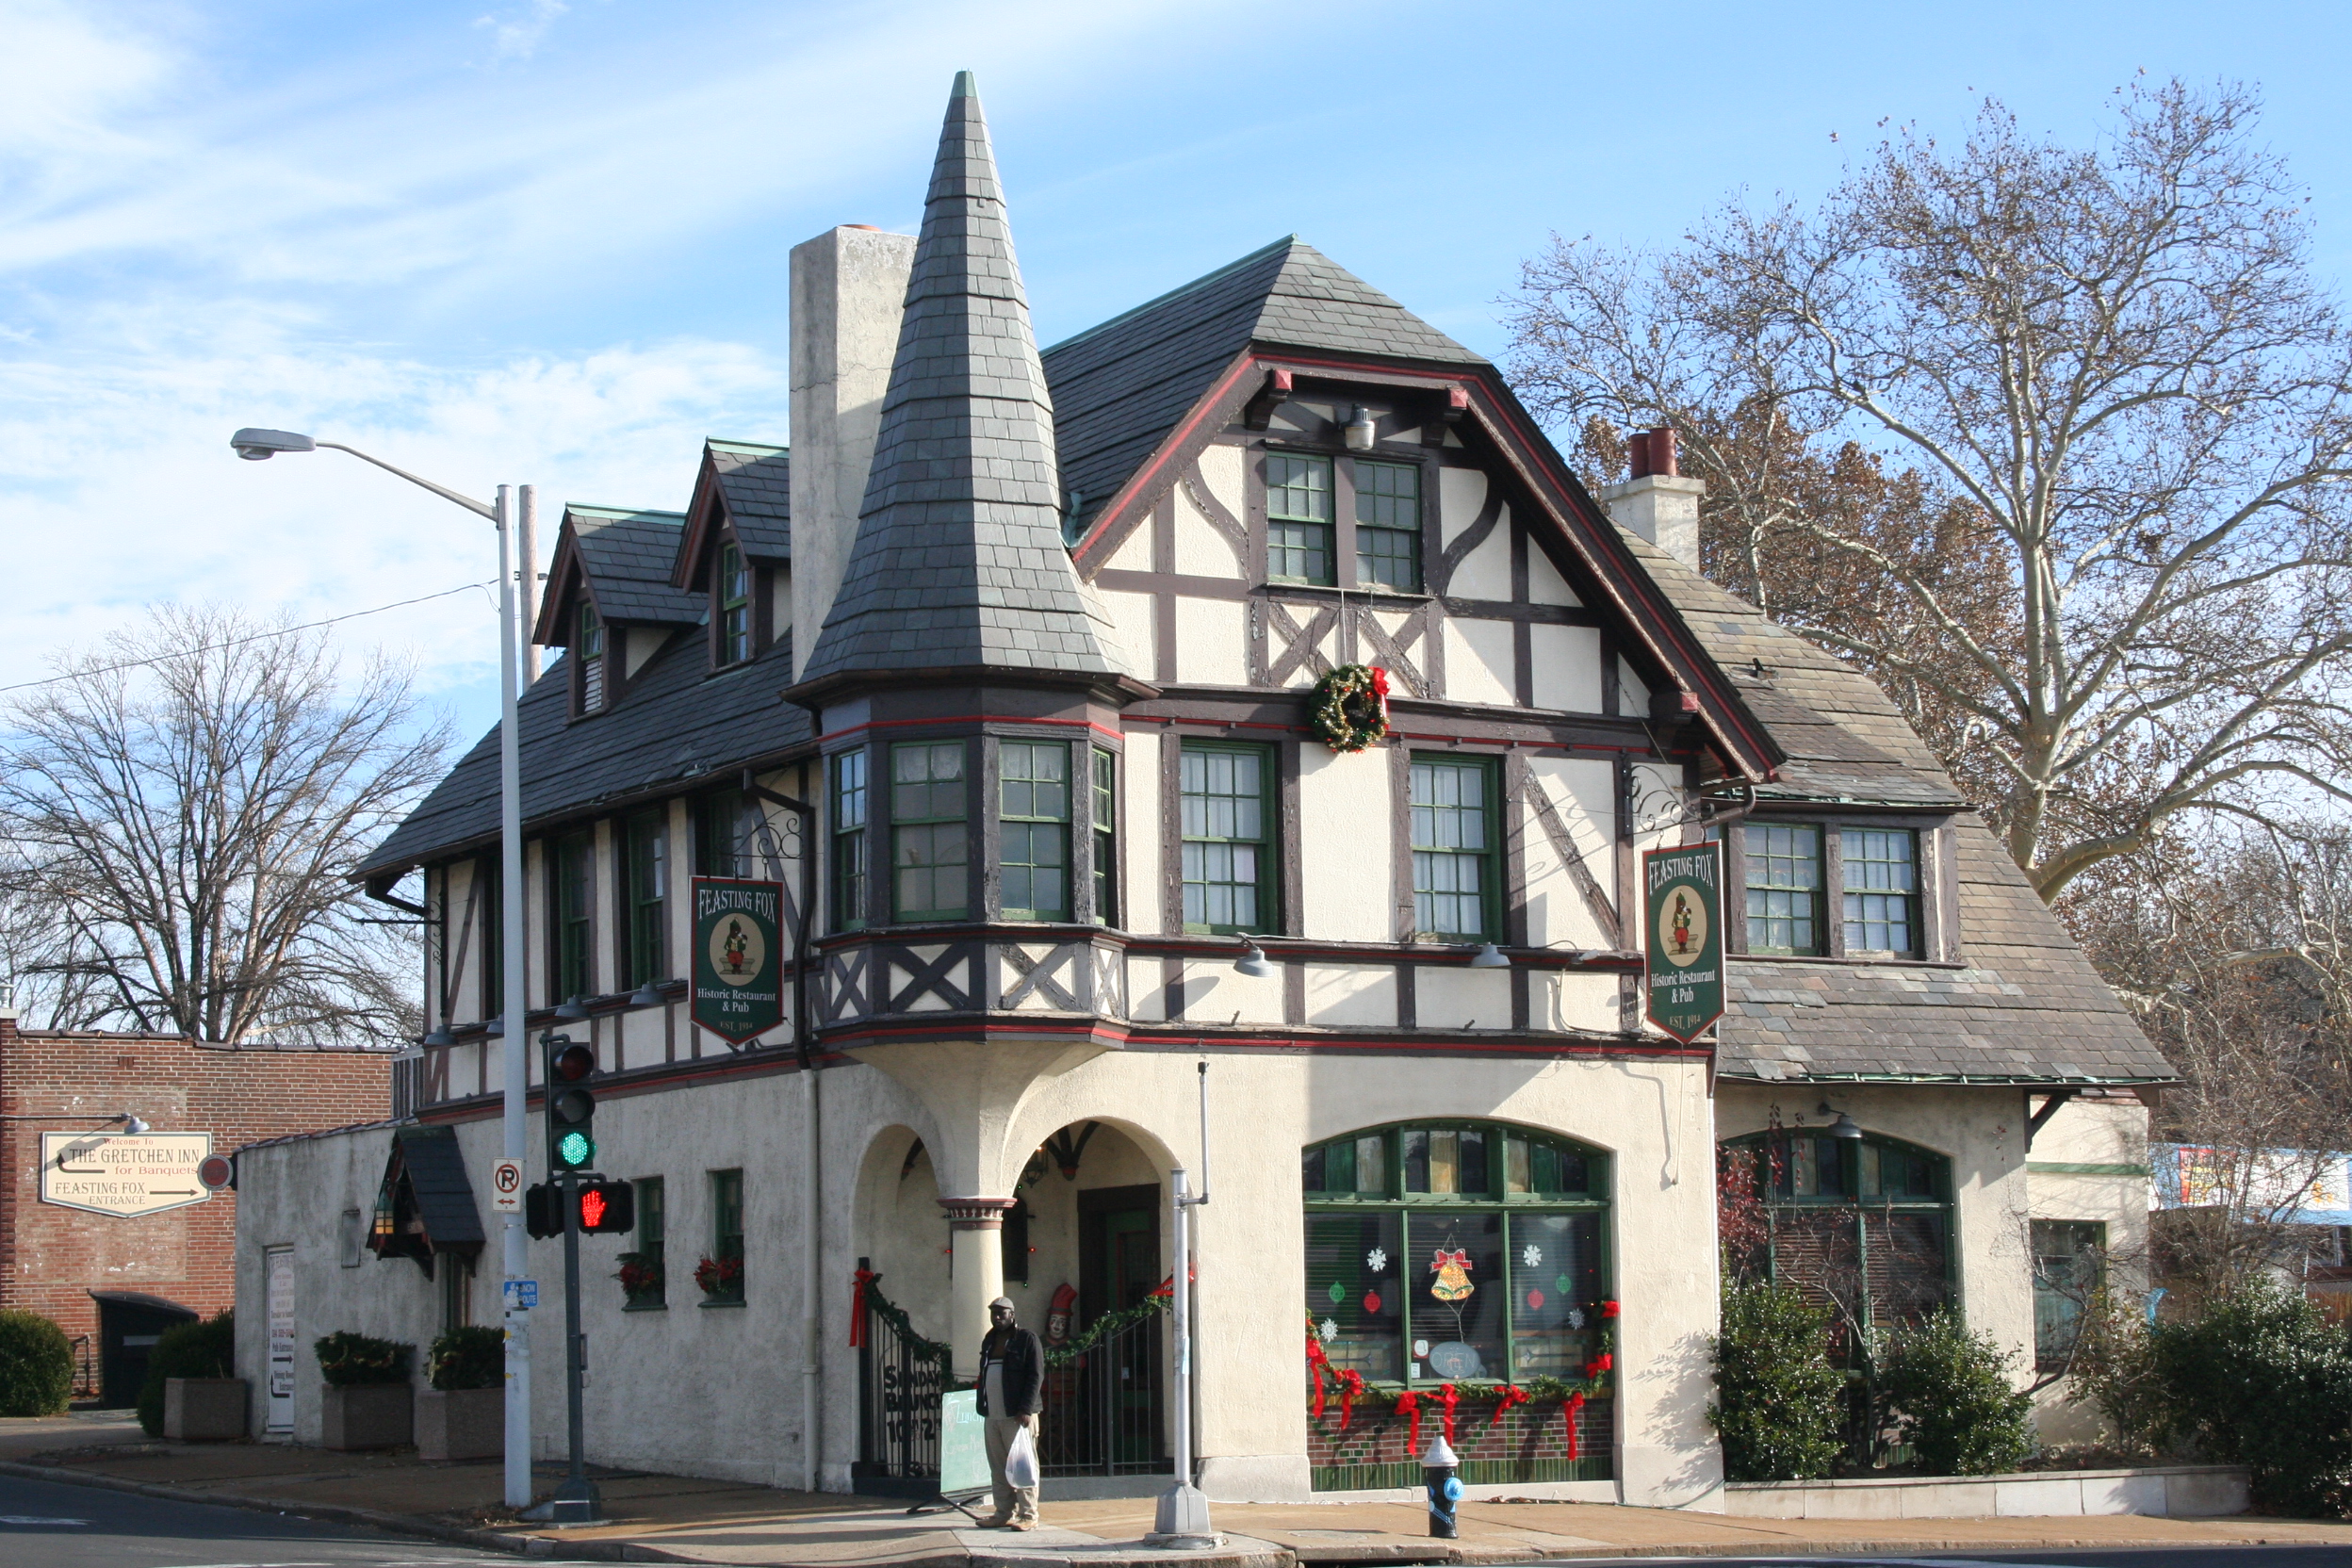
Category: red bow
[1513,1396]
[1442,1257]
[1448,1398]
[1599,1365]
[1568,1414]
[1608,1309]
[1317,1360]
[1379,681]
[1409,1405]
[1350,1388]
[864,1277]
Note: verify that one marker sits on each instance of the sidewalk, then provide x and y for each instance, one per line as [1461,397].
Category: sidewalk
[677,1519]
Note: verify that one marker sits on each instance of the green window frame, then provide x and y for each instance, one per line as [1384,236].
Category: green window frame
[1105,767]
[648,873]
[588,644]
[719,833]
[2069,1269]
[1879,870]
[1861,1224]
[1298,531]
[1525,1212]
[649,1244]
[574,886]
[492,904]
[1033,828]
[734,596]
[1456,843]
[1783,887]
[851,879]
[930,831]
[1226,808]
[727,1226]
[1388,525]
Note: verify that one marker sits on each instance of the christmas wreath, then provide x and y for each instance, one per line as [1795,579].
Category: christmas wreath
[1350,709]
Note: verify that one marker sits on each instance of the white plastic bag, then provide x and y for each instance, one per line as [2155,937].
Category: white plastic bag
[1021,1459]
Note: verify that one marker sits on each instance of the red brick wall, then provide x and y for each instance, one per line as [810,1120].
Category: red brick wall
[52,1257]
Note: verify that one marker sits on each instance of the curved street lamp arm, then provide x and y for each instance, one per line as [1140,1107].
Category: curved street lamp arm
[466,501]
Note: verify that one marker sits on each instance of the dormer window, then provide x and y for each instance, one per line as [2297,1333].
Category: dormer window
[588,647]
[734,598]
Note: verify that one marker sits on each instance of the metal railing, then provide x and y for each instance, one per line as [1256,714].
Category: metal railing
[900,1375]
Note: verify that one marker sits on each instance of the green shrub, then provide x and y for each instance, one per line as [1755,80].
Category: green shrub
[35,1365]
[2262,1380]
[352,1360]
[473,1357]
[2114,1368]
[202,1350]
[1951,1390]
[1779,1402]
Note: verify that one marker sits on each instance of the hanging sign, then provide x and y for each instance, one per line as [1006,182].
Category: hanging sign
[739,957]
[123,1174]
[1682,892]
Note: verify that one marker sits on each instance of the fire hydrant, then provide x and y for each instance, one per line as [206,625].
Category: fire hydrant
[1441,1473]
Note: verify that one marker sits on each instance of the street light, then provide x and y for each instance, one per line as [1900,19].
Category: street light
[256,446]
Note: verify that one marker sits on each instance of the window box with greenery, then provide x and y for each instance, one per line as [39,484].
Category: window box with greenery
[644,1272]
[720,1275]
[208,1405]
[462,1414]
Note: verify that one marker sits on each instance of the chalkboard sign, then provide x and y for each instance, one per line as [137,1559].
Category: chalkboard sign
[963,1445]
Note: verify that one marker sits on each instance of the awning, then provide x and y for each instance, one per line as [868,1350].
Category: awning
[426,1204]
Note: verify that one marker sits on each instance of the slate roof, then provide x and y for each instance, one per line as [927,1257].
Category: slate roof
[755,482]
[959,560]
[435,1169]
[673,722]
[2027,1007]
[1120,387]
[627,554]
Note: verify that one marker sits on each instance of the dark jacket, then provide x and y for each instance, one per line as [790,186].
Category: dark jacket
[1025,1371]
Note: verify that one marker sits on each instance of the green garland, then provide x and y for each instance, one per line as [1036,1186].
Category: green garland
[933,1350]
[1349,708]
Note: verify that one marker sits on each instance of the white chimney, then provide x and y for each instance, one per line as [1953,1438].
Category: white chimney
[848,293]
[1658,502]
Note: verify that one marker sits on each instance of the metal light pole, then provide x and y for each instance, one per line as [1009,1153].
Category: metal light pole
[1182,1519]
[257,444]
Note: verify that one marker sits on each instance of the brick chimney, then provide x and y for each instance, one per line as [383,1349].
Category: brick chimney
[1658,502]
[848,295]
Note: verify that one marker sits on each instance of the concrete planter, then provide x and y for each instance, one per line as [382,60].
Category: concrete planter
[2165,1491]
[461,1423]
[370,1415]
[204,1410]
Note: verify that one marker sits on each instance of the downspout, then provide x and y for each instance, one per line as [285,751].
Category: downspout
[812,1274]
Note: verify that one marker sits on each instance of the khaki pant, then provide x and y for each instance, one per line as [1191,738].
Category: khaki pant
[1012,1502]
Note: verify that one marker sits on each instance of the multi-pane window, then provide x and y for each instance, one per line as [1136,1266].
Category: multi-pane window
[1297,517]
[1033,792]
[1881,889]
[1228,852]
[1454,879]
[588,647]
[492,903]
[649,886]
[719,833]
[2069,1266]
[575,915]
[929,847]
[1783,887]
[1438,1252]
[726,1229]
[1106,837]
[734,598]
[1388,525]
[645,1269]
[850,872]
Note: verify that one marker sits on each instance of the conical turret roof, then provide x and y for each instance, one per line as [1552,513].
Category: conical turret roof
[959,561]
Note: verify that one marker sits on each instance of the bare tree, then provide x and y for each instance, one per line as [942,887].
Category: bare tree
[183,810]
[2111,568]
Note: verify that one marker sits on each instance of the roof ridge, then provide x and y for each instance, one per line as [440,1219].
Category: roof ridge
[570,507]
[743,446]
[1180,291]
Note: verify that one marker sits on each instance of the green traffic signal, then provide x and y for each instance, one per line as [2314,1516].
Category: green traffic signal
[571,1108]
[574,1150]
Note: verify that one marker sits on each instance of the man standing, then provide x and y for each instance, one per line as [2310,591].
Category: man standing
[1012,1391]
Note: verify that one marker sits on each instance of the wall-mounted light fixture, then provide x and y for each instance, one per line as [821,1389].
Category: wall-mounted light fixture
[1252,963]
[1362,432]
[1491,957]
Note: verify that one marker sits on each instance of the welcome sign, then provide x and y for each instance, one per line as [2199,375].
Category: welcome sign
[123,1174]
[1683,896]
[739,957]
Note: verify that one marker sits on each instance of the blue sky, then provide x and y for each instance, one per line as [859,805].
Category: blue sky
[546,241]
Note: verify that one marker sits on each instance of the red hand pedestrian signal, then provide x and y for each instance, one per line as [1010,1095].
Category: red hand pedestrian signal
[591,1207]
[606,1208]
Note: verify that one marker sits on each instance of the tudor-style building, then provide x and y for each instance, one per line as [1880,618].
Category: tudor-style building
[1003,673]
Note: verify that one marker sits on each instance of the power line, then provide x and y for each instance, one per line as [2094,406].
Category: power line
[257,637]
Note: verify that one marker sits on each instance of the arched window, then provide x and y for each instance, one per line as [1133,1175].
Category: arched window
[1444,1250]
[1861,1225]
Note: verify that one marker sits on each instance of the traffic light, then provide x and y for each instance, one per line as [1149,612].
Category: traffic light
[571,1109]
[541,1218]
[607,1208]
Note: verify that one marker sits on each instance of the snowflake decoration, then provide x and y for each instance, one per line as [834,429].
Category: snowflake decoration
[1576,1318]
[1329,1328]
[1532,1256]
[1377,1260]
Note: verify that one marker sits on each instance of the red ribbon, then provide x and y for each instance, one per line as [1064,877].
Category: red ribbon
[1350,1389]
[864,1277]
[1573,1403]
[1448,1398]
[1409,1406]
[1379,681]
[1513,1397]
[1608,1309]
[1599,1365]
[1316,1361]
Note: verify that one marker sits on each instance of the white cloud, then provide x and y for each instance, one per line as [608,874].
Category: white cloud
[516,35]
